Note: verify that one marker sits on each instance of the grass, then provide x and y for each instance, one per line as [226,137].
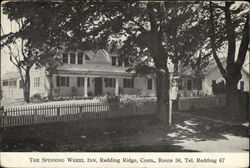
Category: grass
[222,114]
[129,134]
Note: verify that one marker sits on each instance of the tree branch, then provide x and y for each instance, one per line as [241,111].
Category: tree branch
[212,40]
[244,45]
[230,36]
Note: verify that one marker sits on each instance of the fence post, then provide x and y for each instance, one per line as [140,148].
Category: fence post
[5,120]
[217,101]
[35,116]
[4,115]
[58,113]
[81,112]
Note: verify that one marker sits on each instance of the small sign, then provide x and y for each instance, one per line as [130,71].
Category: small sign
[174,92]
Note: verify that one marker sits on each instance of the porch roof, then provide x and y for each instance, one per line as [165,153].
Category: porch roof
[94,73]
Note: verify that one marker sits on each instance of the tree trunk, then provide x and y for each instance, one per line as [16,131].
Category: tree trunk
[162,83]
[26,86]
[232,95]
[51,86]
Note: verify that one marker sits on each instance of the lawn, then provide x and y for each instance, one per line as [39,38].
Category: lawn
[129,134]
[220,113]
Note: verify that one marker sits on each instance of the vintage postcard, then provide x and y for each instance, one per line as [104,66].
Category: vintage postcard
[124,84]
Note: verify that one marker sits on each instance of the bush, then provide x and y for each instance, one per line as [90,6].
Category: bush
[90,94]
[219,88]
[112,99]
[36,96]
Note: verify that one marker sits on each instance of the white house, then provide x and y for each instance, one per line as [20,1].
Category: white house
[83,73]
[214,75]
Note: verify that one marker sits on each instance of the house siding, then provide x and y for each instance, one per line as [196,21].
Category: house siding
[216,75]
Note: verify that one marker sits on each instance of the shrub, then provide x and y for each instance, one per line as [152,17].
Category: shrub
[36,96]
[112,99]
[90,94]
[219,88]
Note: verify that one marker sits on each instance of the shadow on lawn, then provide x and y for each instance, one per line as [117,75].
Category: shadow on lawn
[131,134]
[201,129]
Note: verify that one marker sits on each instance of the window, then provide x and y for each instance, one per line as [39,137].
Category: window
[65,58]
[150,84]
[180,84]
[80,81]
[87,57]
[58,81]
[12,83]
[109,82]
[113,61]
[197,84]
[189,85]
[5,83]
[128,83]
[37,82]
[72,58]
[88,82]
[119,61]
[62,81]
[80,58]
[20,84]
[242,86]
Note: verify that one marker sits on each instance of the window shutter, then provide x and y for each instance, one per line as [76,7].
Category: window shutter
[78,82]
[58,81]
[67,81]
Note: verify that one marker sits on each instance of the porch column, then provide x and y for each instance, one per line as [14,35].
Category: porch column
[68,58]
[85,86]
[116,86]
[76,57]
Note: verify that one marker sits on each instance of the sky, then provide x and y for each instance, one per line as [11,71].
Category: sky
[6,65]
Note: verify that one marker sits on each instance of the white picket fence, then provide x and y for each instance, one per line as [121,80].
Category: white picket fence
[52,113]
[190,103]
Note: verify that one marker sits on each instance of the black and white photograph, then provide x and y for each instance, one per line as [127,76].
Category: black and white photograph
[125,76]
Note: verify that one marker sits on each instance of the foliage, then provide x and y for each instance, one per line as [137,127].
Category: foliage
[36,96]
[37,40]
[232,19]
[112,99]
[1,94]
[218,88]
[228,23]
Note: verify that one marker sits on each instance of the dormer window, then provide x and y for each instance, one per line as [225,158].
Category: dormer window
[72,58]
[65,58]
[113,61]
[119,61]
[80,58]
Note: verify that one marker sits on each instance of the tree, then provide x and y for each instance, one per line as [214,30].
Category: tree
[36,38]
[145,33]
[51,61]
[232,23]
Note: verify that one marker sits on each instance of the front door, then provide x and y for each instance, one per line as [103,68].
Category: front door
[98,86]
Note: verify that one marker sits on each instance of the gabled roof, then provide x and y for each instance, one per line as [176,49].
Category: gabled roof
[245,71]
[10,75]
[223,64]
